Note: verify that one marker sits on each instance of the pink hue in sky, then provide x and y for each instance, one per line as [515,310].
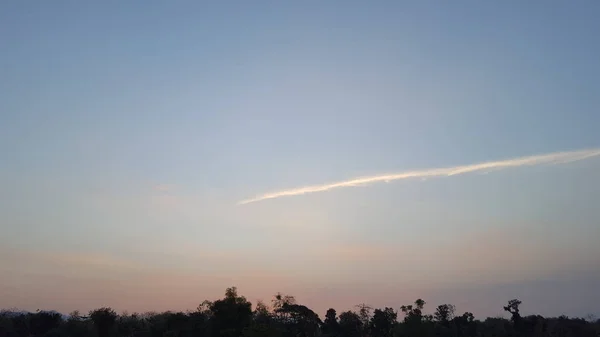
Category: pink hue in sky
[379,275]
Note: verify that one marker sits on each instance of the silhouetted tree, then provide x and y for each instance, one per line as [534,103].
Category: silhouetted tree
[232,316]
[41,323]
[128,325]
[331,326]
[364,312]
[350,324]
[300,319]
[76,326]
[415,323]
[280,300]
[383,322]
[444,313]
[104,320]
[513,309]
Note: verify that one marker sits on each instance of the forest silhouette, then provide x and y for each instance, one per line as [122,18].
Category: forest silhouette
[234,316]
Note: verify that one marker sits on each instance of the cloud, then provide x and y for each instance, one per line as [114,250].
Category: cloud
[487,167]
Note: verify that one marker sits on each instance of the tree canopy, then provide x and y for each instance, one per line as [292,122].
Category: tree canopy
[234,316]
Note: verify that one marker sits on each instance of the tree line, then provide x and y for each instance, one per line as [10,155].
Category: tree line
[234,316]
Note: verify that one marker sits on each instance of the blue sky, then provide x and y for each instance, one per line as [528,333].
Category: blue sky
[129,131]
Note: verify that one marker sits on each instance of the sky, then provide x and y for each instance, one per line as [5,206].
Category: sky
[133,134]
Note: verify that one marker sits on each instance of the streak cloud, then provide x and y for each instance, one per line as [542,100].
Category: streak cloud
[546,159]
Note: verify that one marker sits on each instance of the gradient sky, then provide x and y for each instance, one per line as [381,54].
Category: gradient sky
[129,130]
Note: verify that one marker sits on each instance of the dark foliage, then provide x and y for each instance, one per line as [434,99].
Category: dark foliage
[233,316]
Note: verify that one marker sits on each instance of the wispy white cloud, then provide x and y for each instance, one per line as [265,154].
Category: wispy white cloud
[546,159]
